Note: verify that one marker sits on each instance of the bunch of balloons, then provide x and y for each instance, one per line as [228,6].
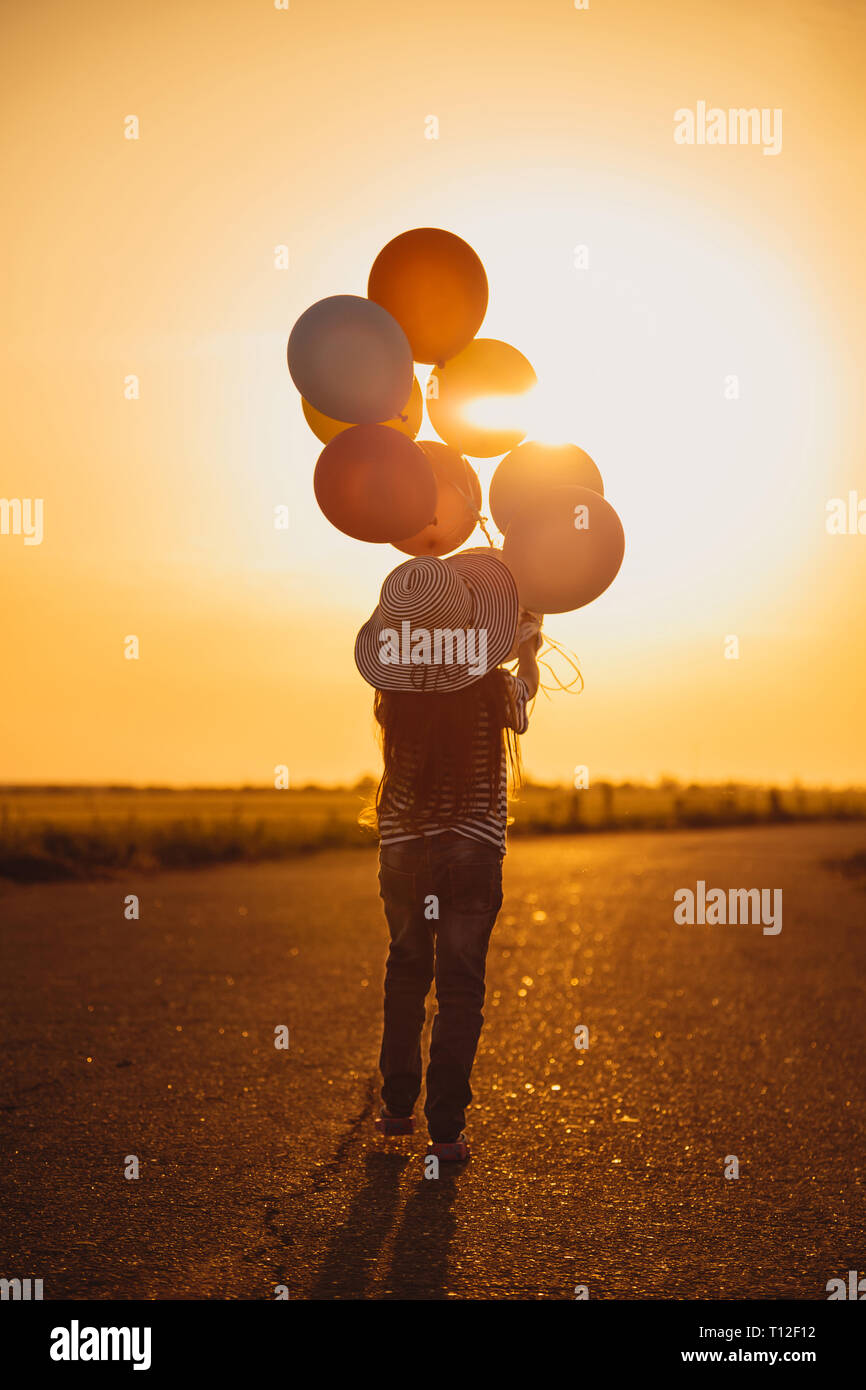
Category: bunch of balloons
[353,361]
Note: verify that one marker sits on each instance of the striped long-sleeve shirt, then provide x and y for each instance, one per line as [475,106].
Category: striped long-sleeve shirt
[477,821]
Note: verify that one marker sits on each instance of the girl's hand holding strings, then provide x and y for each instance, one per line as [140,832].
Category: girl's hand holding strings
[529,627]
[528,641]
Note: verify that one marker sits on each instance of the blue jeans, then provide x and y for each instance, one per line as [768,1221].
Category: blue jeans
[441,894]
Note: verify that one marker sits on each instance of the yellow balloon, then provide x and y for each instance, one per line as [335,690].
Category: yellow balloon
[486,374]
[408,422]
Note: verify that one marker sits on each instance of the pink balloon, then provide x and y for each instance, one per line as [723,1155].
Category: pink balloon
[564,550]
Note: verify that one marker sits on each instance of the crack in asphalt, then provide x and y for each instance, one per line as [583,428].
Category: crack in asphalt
[331,1174]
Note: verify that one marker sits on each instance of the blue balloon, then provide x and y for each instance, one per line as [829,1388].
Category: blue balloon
[351,360]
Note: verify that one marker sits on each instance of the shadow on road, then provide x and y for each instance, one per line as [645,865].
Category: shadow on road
[356,1245]
[421,1246]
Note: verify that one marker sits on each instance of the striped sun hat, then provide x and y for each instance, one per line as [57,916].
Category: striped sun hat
[440,624]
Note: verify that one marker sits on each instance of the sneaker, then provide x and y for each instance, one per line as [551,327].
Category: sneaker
[457,1151]
[393,1125]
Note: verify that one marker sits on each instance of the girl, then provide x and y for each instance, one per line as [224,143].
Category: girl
[449,716]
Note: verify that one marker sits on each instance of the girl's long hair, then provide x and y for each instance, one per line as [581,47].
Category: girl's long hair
[434,735]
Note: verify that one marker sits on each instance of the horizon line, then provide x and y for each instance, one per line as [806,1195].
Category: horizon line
[658,782]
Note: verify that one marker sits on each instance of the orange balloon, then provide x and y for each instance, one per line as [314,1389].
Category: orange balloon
[374,484]
[408,422]
[532,469]
[487,367]
[458,503]
[564,550]
[435,286]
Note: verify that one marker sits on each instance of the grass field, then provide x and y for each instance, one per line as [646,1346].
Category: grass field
[49,833]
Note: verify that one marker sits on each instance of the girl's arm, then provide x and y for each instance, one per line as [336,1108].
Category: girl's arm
[527,665]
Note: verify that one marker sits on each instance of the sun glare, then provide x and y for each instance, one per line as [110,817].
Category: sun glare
[541,413]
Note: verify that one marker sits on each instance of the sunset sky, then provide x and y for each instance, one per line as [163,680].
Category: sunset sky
[260,127]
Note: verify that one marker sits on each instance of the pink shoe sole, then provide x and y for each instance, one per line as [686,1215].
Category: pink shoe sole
[392,1126]
[457,1152]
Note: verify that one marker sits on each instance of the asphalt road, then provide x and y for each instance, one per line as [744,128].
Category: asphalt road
[259,1167]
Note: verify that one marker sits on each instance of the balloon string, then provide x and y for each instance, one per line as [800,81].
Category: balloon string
[574,686]
[474,511]
[576,683]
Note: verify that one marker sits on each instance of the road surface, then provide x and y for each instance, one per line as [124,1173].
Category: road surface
[602,1167]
